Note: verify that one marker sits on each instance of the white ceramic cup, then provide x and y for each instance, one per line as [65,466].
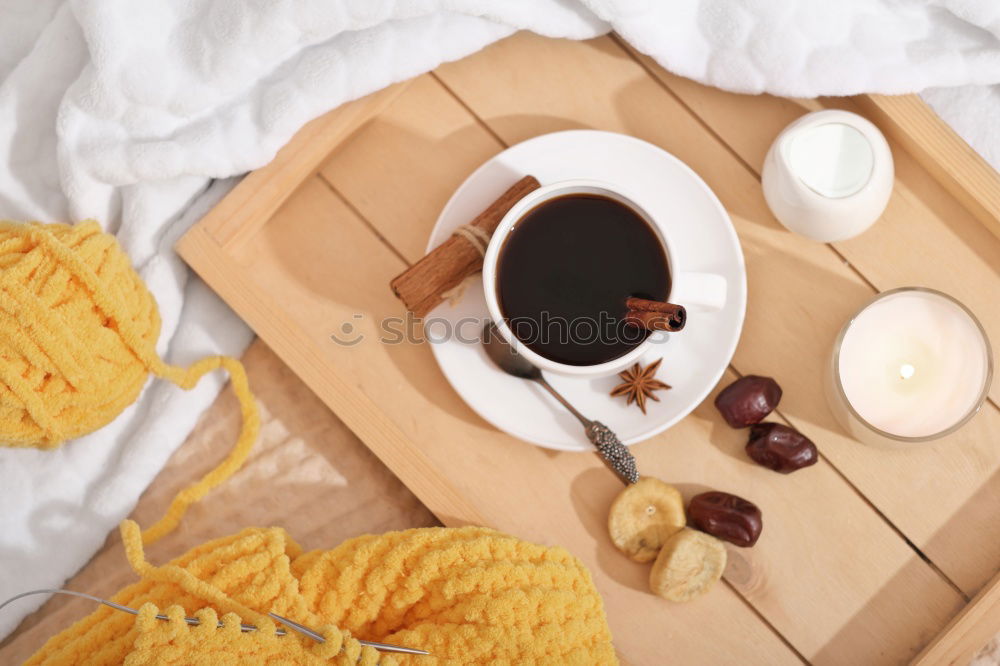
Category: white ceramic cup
[697,292]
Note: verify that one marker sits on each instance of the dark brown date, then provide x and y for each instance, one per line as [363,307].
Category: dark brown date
[727,517]
[748,400]
[780,448]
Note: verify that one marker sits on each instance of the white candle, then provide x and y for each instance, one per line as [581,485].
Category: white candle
[913,365]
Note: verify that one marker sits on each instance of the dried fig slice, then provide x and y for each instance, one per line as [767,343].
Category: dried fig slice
[688,565]
[644,516]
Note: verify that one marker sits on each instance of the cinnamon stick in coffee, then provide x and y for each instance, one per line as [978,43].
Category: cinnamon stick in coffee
[655,315]
[421,286]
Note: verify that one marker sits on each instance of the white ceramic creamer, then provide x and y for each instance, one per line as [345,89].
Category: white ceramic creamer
[828,176]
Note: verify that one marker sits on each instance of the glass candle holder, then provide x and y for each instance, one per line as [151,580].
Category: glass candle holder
[913,365]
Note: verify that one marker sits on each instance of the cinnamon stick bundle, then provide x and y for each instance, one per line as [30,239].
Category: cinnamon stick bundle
[655,315]
[421,286]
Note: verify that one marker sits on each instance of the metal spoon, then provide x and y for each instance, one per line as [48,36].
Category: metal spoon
[615,454]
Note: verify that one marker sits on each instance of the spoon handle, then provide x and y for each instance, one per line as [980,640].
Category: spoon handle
[615,454]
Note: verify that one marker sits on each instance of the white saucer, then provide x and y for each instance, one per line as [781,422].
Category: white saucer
[693,360]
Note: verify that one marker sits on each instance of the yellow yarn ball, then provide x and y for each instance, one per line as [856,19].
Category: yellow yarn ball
[467,595]
[77,330]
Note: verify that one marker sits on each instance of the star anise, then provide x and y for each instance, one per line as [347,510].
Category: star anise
[639,384]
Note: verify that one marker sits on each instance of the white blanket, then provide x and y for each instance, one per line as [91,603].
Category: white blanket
[125,111]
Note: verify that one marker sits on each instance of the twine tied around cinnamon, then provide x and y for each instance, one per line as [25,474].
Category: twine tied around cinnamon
[478,238]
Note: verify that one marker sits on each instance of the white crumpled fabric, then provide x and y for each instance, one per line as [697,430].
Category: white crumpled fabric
[127,112]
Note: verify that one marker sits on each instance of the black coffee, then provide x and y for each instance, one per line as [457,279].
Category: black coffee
[565,271]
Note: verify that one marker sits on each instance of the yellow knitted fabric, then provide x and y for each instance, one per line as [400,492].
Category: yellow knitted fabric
[468,595]
[78,332]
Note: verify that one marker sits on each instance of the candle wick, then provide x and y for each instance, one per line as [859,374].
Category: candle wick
[906,371]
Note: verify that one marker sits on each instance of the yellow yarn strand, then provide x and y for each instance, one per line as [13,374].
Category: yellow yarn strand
[78,333]
[186,379]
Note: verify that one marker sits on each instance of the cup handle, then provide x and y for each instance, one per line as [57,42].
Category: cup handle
[699,292]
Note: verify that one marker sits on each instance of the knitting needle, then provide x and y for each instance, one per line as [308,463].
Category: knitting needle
[385,647]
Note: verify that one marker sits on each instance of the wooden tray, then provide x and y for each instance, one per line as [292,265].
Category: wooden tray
[866,556]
